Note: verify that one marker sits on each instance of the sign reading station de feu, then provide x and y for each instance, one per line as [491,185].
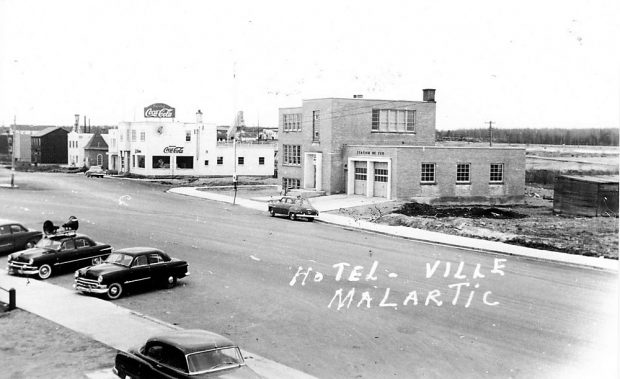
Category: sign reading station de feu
[159,110]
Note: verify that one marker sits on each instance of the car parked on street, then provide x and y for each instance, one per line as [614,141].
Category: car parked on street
[184,354]
[130,267]
[293,208]
[95,171]
[15,237]
[58,252]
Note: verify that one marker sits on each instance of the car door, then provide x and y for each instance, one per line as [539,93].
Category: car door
[6,239]
[166,361]
[285,204]
[20,235]
[159,268]
[68,254]
[139,272]
[85,250]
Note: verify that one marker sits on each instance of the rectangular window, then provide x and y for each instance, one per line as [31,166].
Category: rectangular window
[497,173]
[141,161]
[133,161]
[161,161]
[381,175]
[240,160]
[261,160]
[291,122]
[393,120]
[292,155]
[316,124]
[220,160]
[207,162]
[360,173]
[290,183]
[185,162]
[133,136]
[462,173]
[188,136]
[142,136]
[428,173]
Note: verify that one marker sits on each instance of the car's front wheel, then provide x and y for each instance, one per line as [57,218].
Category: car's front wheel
[292,216]
[45,271]
[115,291]
[272,212]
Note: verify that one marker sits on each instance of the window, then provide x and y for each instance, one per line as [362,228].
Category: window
[462,173]
[316,123]
[133,136]
[142,136]
[381,175]
[291,122]
[188,135]
[292,155]
[161,161]
[497,173]
[360,173]
[68,245]
[17,229]
[261,160]
[133,161]
[207,162]
[5,229]
[141,161]
[240,160]
[220,160]
[290,183]
[428,173]
[185,162]
[155,258]
[140,261]
[81,243]
[99,159]
[393,120]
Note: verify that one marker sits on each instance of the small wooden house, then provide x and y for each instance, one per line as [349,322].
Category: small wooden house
[595,195]
[50,146]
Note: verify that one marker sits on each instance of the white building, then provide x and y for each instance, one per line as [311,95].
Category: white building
[75,146]
[166,147]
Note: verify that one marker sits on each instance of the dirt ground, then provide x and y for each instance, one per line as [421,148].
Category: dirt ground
[33,347]
[534,225]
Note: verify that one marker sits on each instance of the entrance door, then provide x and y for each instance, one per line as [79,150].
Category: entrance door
[381,179]
[361,169]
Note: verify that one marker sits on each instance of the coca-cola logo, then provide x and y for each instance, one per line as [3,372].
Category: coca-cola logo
[159,110]
[173,149]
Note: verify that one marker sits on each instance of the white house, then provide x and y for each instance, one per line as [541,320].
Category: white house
[75,146]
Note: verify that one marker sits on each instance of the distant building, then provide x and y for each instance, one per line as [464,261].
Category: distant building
[386,148]
[96,152]
[50,146]
[76,142]
[587,195]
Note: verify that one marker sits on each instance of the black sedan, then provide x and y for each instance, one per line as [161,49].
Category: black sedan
[58,252]
[15,237]
[293,208]
[184,354]
[130,267]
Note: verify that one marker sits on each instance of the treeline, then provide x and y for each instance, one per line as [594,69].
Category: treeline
[591,136]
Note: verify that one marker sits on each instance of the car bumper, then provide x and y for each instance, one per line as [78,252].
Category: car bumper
[13,269]
[96,289]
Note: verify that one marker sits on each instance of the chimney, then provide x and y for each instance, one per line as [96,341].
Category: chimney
[358,96]
[76,125]
[199,117]
[428,94]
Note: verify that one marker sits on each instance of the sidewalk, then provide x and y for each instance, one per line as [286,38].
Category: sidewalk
[325,203]
[106,322]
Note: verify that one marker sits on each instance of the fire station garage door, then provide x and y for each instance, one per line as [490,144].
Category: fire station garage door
[360,178]
[381,179]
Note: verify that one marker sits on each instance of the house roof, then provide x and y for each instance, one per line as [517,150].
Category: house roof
[48,130]
[96,143]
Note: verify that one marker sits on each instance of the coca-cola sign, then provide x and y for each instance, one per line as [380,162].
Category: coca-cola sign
[159,110]
[173,149]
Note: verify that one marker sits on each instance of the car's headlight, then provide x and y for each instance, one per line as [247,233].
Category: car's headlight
[10,257]
[77,273]
[31,261]
[99,279]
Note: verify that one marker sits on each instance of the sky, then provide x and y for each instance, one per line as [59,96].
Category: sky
[517,63]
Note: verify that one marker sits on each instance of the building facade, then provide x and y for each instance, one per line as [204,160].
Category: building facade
[386,148]
[96,152]
[76,142]
[50,146]
[165,147]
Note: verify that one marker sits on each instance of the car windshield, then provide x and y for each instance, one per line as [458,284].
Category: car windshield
[119,259]
[46,243]
[214,360]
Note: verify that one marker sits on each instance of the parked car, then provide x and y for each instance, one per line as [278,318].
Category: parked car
[15,237]
[293,207]
[184,354]
[57,252]
[96,171]
[129,267]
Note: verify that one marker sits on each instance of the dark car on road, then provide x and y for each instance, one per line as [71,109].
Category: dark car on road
[15,237]
[293,208]
[184,354]
[58,252]
[130,267]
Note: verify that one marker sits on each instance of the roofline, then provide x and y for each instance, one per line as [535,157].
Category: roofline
[443,147]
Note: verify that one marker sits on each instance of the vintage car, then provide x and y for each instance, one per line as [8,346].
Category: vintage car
[184,354]
[130,267]
[15,237]
[60,249]
[293,207]
[95,171]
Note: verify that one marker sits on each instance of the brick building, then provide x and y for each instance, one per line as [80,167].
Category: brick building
[386,148]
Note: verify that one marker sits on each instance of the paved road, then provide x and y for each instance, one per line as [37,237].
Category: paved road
[539,319]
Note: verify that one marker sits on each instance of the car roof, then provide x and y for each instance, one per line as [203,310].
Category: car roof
[192,340]
[63,235]
[139,250]
[4,221]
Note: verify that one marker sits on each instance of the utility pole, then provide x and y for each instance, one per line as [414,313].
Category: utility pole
[13,151]
[490,133]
